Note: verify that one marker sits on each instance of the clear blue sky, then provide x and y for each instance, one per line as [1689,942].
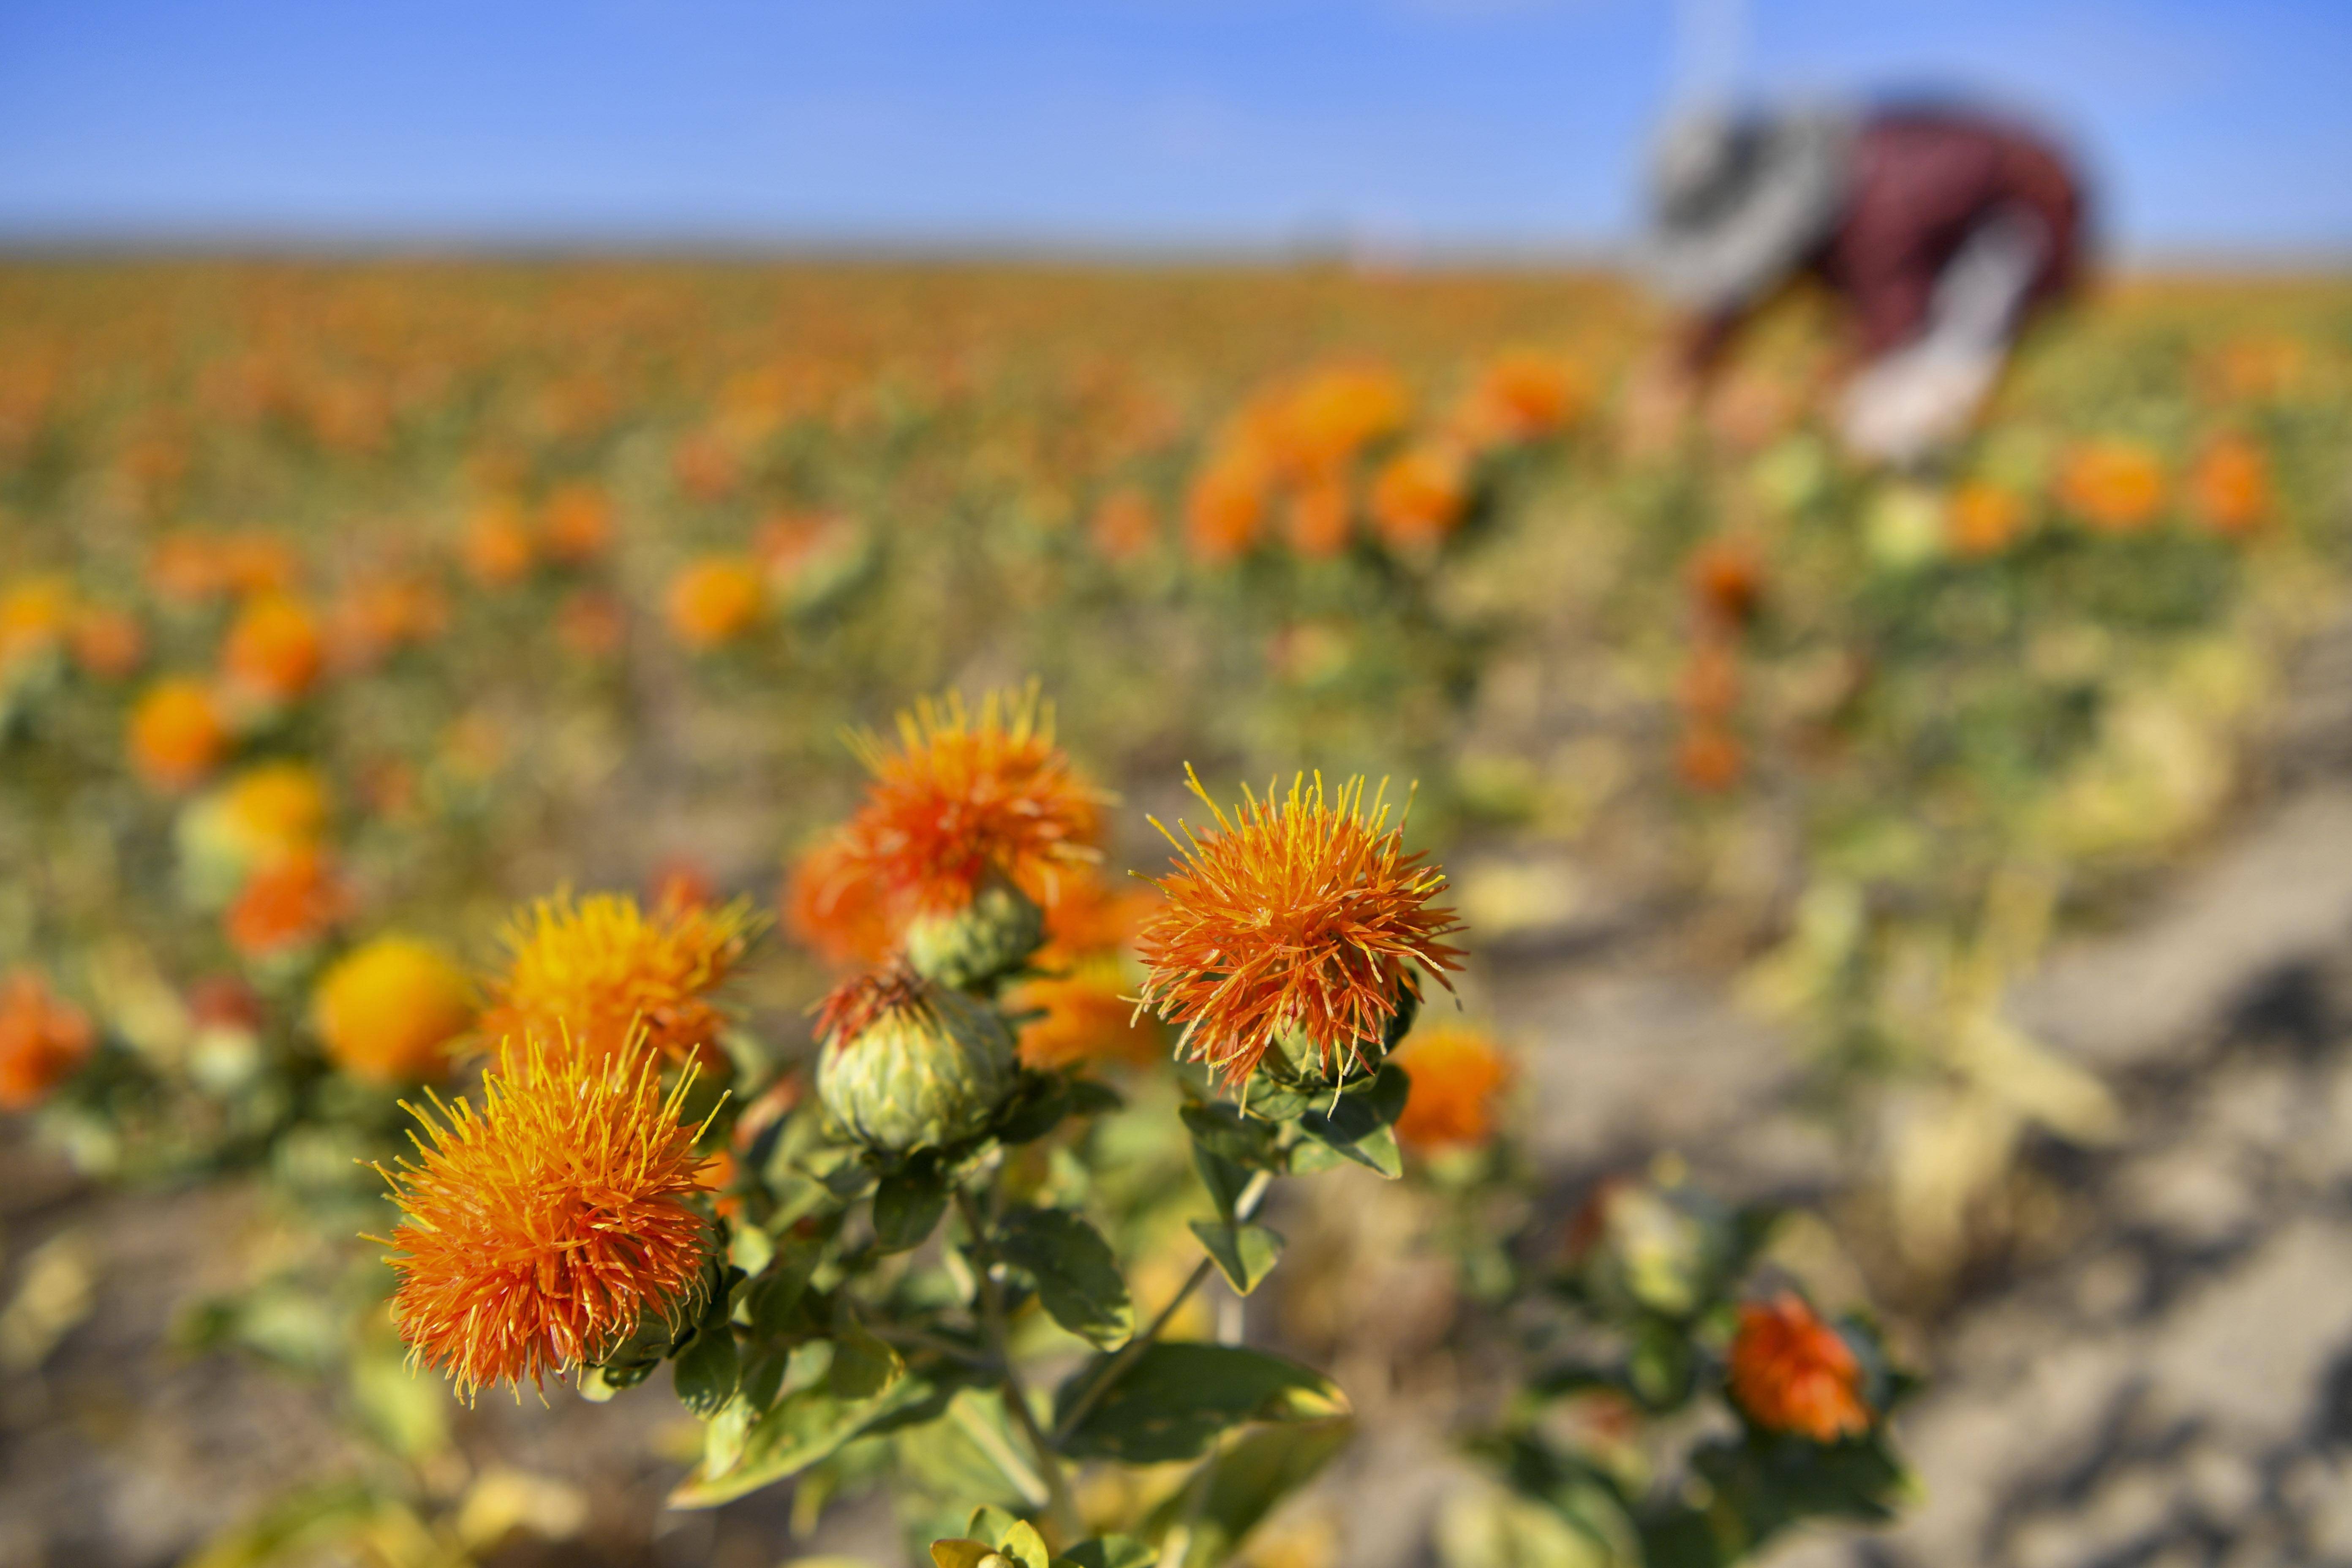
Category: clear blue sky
[2221,127]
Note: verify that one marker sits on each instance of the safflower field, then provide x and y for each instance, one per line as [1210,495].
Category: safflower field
[663,913]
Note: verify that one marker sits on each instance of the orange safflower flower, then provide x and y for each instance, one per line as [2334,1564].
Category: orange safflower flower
[834,908]
[106,641]
[963,794]
[1419,498]
[597,976]
[1224,511]
[540,1232]
[1982,519]
[35,615]
[286,904]
[577,524]
[192,567]
[176,736]
[1456,1074]
[275,809]
[705,466]
[1726,579]
[1093,919]
[1522,396]
[1792,1372]
[498,550]
[1086,1018]
[2114,485]
[378,615]
[43,1038]
[390,1010]
[274,647]
[2231,486]
[1124,525]
[1322,517]
[714,601]
[1335,413]
[1297,913]
[1709,758]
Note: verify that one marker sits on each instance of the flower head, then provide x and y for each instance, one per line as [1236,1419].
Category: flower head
[542,1230]
[714,600]
[603,974]
[176,735]
[1790,1372]
[2231,486]
[286,903]
[836,911]
[1084,1015]
[274,647]
[1457,1076]
[1419,497]
[1298,914]
[42,1040]
[2115,485]
[961,796]
[390,1010]
[1983,518]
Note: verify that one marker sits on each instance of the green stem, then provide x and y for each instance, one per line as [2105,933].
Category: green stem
[1059,1504]
[1245,1207]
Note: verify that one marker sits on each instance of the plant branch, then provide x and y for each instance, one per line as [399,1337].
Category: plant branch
[1245,1207]
[1062,1507]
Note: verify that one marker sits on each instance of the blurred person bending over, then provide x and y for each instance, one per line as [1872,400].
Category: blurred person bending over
[1937,230]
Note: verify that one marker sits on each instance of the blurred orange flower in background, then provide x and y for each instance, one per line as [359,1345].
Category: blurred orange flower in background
[1522,396]
[497,548]
[598,976]
[106,641]
[1984,519]
[2229,488]
[1224,511]
[287,904]
[1457,1075]
[35,614]
[714,600]
[1726,581]
[576,524]
[2113,484]
[1088,1017]
[176,735]
[1320,517]
[1419,497]
[1792,1372]
[43,1038]
[390,1010]
[837,912]
[274,647]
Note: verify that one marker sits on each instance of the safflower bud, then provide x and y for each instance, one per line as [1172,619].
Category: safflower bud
[986,939]
[906,1063]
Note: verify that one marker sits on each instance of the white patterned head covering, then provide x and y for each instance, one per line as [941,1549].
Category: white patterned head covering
[1738,199]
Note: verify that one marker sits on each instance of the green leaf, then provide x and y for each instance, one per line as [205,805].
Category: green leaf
[906,1208]
[1076,1272]
[1225,1131]
[1245,1254]
[863,1366]
[775,1296]
[1225,1179]
[1228,1496]
[1356,1122]
[991,1524]
[1173,1400]
[1110,1551]
[804,1427]
[1025,1546]
[707,1369]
